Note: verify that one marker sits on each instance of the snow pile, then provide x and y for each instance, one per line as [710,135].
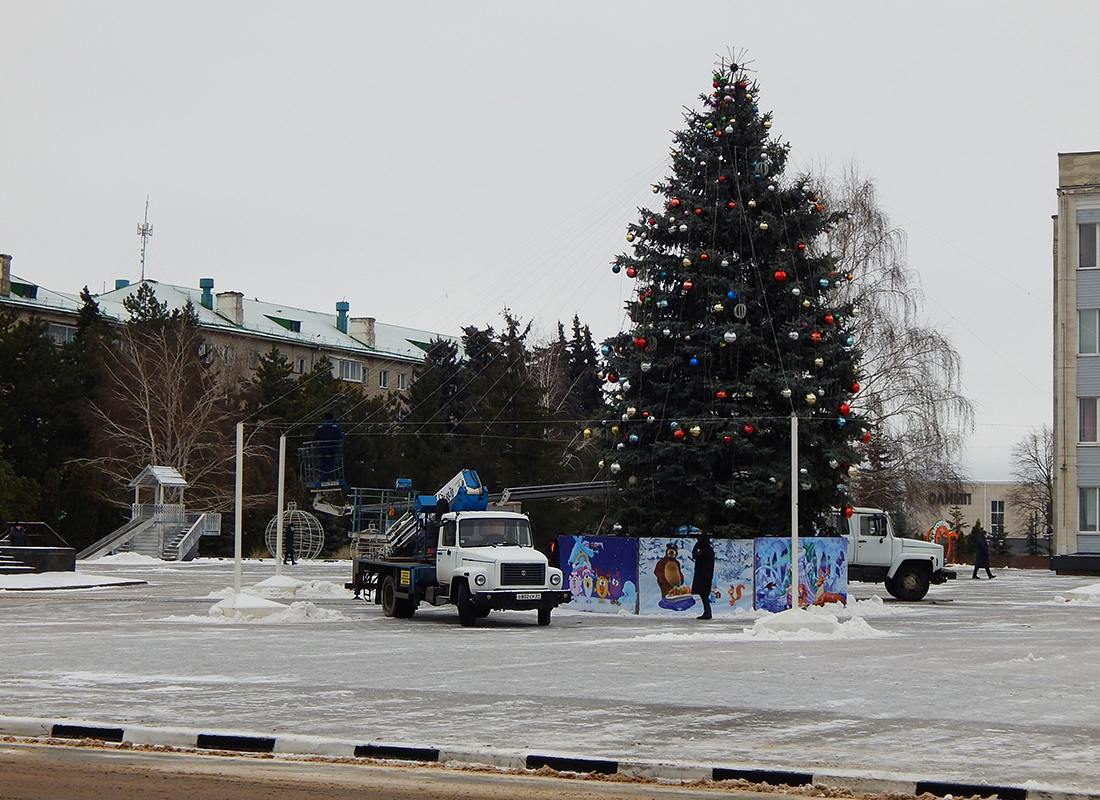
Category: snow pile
[1085,595]
[127,558]
[300,611]
[288,587]
[854,628]
[875,607]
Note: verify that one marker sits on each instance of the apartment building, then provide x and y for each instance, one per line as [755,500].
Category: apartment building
[240,330]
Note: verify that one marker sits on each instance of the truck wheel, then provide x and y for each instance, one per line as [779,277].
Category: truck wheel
[467,610]
[909,584]
[544,615]
[392,605]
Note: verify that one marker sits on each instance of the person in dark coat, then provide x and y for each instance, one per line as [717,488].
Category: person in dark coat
[329,436]
[981,551]
[289,557]
[18,535]
[703,578]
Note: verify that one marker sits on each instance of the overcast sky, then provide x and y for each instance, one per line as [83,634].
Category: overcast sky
[435,162]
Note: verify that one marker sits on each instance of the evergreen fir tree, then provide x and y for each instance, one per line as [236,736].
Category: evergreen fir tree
[583,369]
[735,327]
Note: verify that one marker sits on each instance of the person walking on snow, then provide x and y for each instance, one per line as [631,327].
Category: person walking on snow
[981,551]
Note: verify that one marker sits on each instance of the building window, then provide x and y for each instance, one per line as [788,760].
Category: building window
[1087,514]
[347,370]
[1086,244]
[1086,419]
[253,359]
[402,381]
[300,365]
[61,334]
[228,354]
[997,517]
[383,379]
[1087,331]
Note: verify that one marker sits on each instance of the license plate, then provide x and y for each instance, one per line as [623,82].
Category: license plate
[529,596]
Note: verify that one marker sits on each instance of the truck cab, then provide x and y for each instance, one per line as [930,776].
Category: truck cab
[907,567]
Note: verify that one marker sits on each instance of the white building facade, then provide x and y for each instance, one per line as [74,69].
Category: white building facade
[1076,542]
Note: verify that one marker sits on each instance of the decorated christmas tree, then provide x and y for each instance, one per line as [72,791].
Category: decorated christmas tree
[735,327]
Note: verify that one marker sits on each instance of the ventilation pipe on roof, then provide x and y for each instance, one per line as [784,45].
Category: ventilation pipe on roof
[342,308]
[362,328]
[207,299]
[231,306]
[5,275]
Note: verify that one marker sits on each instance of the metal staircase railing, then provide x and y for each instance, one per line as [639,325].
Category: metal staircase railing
[116,538]
[177,548]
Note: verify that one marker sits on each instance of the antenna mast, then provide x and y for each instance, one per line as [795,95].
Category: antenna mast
[145,230]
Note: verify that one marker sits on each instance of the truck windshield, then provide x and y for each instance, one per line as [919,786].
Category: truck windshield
[493,532]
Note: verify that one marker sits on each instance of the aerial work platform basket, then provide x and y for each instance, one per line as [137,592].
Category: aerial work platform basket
[321,465]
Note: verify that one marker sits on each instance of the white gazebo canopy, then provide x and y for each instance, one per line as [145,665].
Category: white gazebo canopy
[158,479]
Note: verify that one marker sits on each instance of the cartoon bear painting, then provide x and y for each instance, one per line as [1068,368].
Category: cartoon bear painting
[675,596]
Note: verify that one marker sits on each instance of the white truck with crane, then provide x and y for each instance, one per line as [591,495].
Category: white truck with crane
[451,549]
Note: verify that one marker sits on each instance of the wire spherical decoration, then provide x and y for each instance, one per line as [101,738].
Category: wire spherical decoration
[302,533]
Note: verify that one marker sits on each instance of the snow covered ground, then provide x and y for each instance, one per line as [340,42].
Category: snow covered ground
[986,681]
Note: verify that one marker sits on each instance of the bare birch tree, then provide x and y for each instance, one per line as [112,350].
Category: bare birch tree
[911,389]
[1033,468]
[160,401]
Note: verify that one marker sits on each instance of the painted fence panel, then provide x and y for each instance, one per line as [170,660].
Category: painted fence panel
[666,568]
[822,572]
[601,572]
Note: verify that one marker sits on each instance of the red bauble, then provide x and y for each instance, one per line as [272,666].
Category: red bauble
[747,430]
[828,317]
[815,337]
[631,272]
[727,438]
[698,211]
[703,256]
[731,204]
[674,202]
[721,178]
[844,409]
[688,286]
[639,342]
[612,377]
[678,433]
[855,387]
[801,246]
[721,394]
[866,437]
[848,512]
[780,275]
